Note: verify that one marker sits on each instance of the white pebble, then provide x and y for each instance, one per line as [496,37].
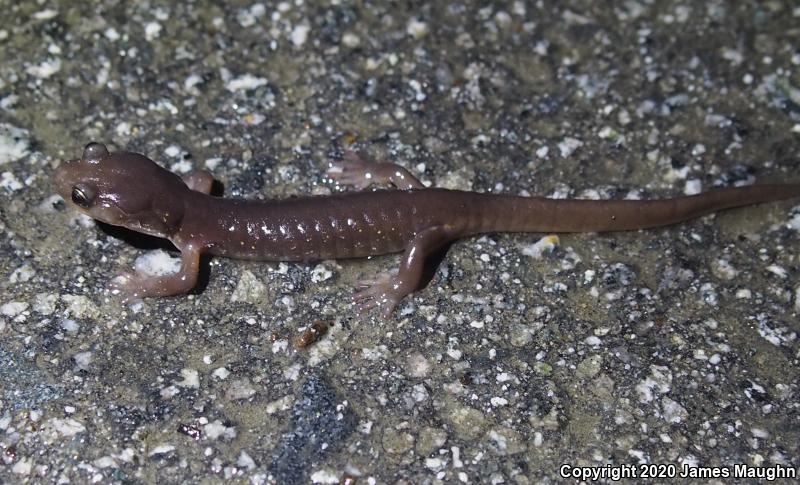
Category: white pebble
[191,378]
[221,373]
[299,34]
[568,146]
[245,82]
[152,30]
[14,143]
[45,69]
[14,308]
[416,28]
[693,187]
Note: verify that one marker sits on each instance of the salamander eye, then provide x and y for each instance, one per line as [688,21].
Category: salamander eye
[94,152]
[82,196]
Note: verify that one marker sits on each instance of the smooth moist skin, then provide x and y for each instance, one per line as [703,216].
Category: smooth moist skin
[130,190]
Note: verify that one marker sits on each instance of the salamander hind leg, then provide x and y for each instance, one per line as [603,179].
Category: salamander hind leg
[387,291]
[354,170]
[135,285]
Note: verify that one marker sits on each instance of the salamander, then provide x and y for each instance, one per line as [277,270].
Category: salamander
[130,190]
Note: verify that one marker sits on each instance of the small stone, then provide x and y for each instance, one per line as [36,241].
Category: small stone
[320,273]
[468,423]
[249,289]
[396,442]
[216,429]
[191,378]
[417,365]
[589,367]
[506,441]
[417,29]
[430,439]
[240,389]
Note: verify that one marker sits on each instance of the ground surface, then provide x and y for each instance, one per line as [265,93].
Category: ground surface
[675,346]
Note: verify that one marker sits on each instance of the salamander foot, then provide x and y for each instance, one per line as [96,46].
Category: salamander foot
[361,174]
[129,285]
[384,292]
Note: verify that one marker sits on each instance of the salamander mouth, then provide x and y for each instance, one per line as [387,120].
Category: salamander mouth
[108,213]
[114,215]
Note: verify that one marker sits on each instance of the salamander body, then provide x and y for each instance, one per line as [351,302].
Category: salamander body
[130,190]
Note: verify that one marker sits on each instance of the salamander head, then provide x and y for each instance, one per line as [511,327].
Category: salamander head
[124,189]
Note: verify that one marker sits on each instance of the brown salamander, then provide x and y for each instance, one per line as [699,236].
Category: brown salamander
[130,190]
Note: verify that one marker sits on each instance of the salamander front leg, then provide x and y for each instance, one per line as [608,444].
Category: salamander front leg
[387,291]
[200,181]
[359,173]
[135,285]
